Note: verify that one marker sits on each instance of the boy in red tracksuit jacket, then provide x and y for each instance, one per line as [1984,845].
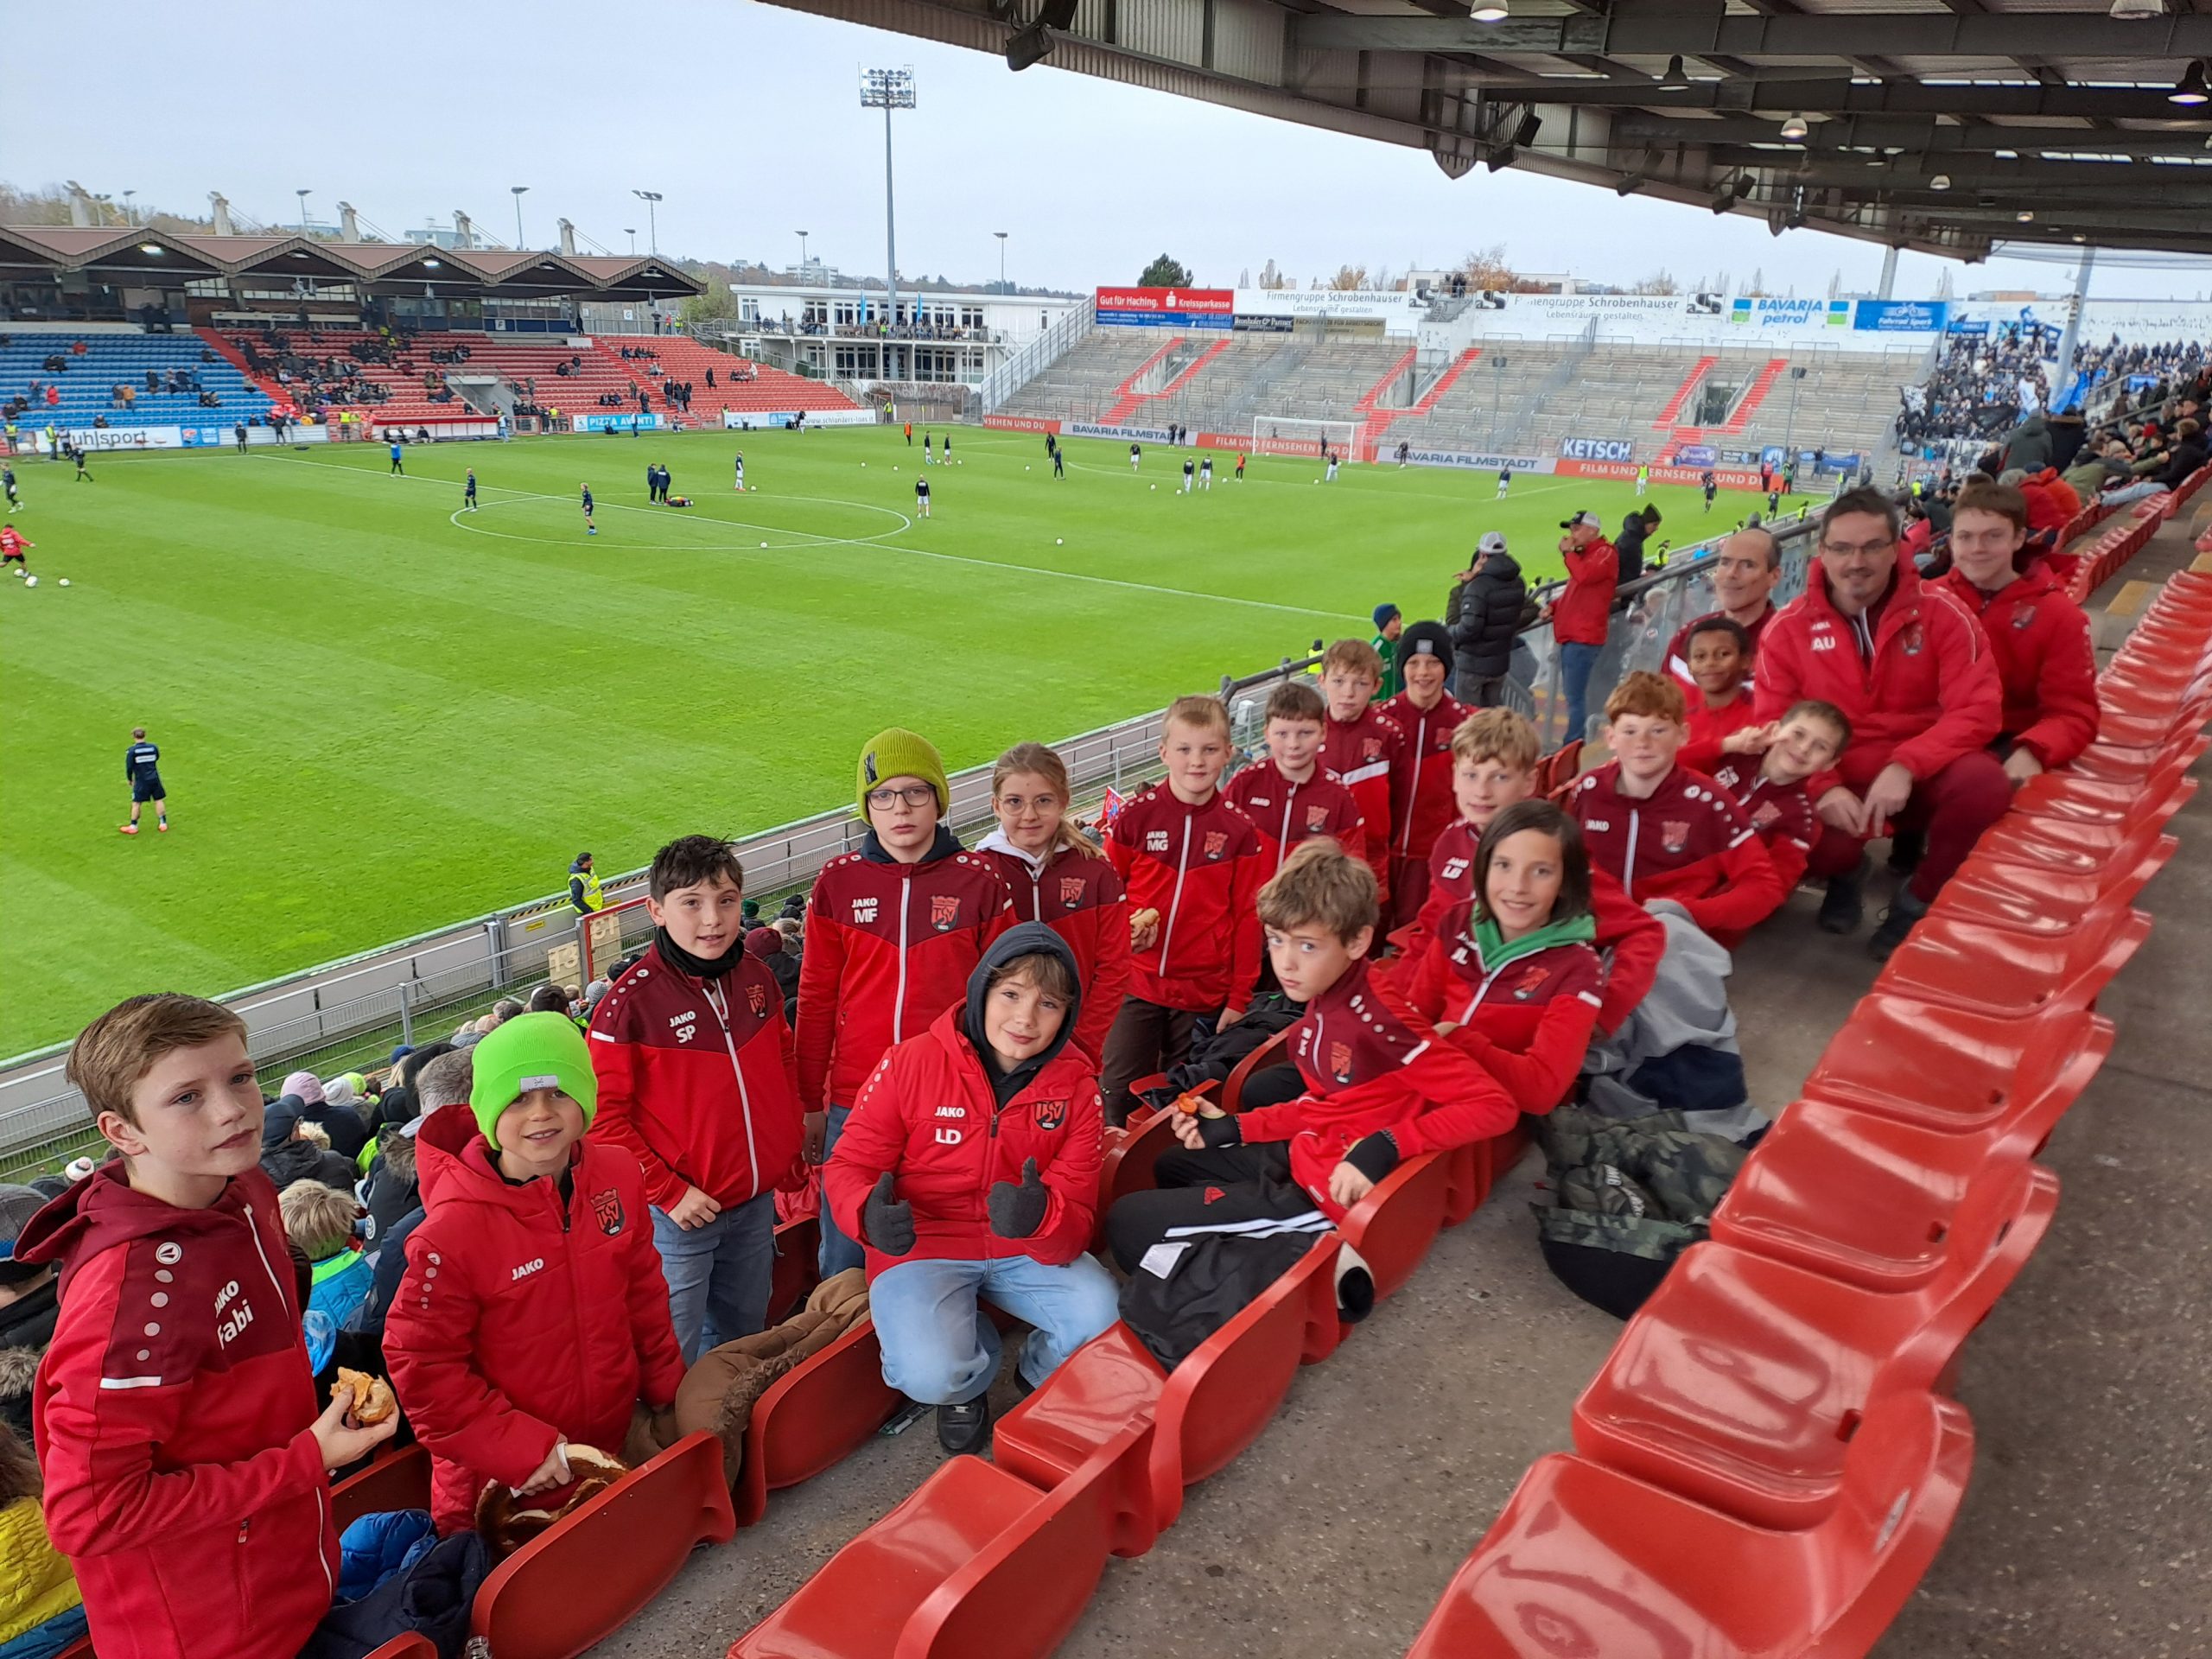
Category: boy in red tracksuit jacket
[1288,797]
[1663,831]
[698,1082]
[1912,672]
[1720,653]
[532,1312]
[175,1415]
[1494,756]
[893,932]
[1768,781]
[1379,1088]
[1512,981]
[1058,877]
[1421,784]
[1361,746]
[969,1169]
[1193,867]
[2045,666]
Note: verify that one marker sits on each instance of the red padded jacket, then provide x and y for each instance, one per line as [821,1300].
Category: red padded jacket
[2045,665]
[1925,695]
[1082,900]
[928,1115]
[173,1418]
[525,1314]
[889,947]
[1687,841]
[1526,1020]
[696,1081]
[1286,813]
[1368,1064]
[1200,868]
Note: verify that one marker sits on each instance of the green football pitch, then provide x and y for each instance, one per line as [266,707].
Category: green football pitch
[379,713]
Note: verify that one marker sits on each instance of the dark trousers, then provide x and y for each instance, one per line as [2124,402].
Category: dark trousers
[1478,690]
[1217,1188]
[1951,808]
[1145,1038]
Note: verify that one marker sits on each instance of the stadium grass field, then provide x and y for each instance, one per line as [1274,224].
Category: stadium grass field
[378,714]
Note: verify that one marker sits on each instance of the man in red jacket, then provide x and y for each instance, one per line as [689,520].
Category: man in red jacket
[893,933]
[1913,674]
[1743,573]
[175,1415]
[2039,636]
[532,1314]
[1580,615]
[1421,784]
[698,1082]
[969,1170]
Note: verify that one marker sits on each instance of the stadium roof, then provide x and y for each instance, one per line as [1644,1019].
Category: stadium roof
[128,254]
[1942,125]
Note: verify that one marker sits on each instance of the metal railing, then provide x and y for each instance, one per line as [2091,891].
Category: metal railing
[1034,359]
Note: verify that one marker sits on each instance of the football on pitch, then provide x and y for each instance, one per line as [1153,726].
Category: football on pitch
[65,582]
[30,582]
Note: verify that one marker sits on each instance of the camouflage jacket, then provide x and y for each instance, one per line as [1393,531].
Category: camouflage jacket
[1645,1186]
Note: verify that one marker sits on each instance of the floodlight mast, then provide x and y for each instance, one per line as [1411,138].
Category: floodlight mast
[888,90]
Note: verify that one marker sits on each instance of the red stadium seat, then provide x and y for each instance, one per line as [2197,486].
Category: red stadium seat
[1874,1201]
[406,1647]
[1274,1052]
[1982,965]
[1110,1382]
[1392,1227]
[2060,797]
[797,1267]
[1128,1167]
[1987,888]
[975,1564]
[812,1417]
[397,1480]
[1216,1403]
[2095,852]
[1588,1564]
[1960,1070]
[1740,1383]
[588,1574]
[1469,1181]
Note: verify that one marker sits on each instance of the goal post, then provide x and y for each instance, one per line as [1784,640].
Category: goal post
[1281,434]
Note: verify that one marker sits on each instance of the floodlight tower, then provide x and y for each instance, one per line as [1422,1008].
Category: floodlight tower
[653,199]
[888,90]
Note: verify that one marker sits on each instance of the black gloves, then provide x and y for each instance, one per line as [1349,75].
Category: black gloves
[1223,1131]
[1018,1211]
[888,1221]
[1375,1156]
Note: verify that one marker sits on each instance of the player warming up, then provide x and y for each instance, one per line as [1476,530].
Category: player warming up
[590,529]
[741,471]
[141,764]
[13,544]
[468,491]
[921,498]
[398,465]
[1504,483]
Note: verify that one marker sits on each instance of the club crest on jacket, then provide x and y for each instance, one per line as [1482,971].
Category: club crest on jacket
[1051,1113]
[1071,891]
[1674,835]
[945,910]
[1340,1061]
[608,1206]
[1217,843]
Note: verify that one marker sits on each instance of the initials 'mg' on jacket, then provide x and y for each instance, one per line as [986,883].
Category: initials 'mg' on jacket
[1200,868]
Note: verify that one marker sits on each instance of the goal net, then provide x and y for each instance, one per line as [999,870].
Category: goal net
[1278,435]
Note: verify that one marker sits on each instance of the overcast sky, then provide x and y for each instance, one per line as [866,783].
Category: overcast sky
[755,133]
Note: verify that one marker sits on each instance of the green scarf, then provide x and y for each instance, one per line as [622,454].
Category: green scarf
[1495,952]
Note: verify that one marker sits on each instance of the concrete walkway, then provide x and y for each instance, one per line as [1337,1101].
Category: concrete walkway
[2087,1533]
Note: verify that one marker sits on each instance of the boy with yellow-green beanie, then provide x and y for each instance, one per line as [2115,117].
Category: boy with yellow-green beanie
[893,931]
[532,1312]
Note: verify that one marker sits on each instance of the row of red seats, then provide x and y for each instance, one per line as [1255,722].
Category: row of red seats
[1769,1461]
[2093,566]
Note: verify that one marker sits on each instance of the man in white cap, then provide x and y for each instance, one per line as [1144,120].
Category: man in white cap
[1483,615]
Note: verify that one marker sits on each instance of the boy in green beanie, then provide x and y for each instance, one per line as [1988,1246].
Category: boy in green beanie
[532,1314]
[895,930]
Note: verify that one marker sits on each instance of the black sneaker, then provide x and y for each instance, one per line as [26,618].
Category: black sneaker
[1906,847]
[1897,922]
[1845,907]
[964,1427]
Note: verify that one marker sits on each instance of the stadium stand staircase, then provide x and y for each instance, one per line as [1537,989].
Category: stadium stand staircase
[1380,435]
[85,390]
[1740,417]
[1173,364]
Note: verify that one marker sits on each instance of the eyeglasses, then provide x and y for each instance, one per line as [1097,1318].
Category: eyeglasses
[912,795]
[1847,549]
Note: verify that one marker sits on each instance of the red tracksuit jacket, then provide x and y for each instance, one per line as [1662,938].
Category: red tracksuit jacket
[1708,727]
[1286,813]
[524,1316]
[1678,652]
[1688,841]
[1370,1063]
[697,1082]
[1421,784]
[889,946]
[1925,695]
[928,1115]
[1363,753]
[1526,1020]
[2045,665]
[1201,868]
[1084,900]
[1630,940]
[1580,614]
[1782,813]
[173,1415]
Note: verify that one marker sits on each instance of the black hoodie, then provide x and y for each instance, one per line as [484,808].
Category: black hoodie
[1026,939]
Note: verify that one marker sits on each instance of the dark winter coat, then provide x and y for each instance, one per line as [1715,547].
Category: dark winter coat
[1483,614]
[1636,529]
[302,1160]
[26,1328]
[2027,445]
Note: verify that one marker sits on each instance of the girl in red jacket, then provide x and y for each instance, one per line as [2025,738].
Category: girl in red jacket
[2039,636]
[1058,877]
[532,1312]
[969,1170]
[1513,981]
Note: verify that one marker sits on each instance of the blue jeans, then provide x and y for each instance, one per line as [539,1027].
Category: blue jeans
[837,1252]
[718,1274]
[940,1349]
[1575,664]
